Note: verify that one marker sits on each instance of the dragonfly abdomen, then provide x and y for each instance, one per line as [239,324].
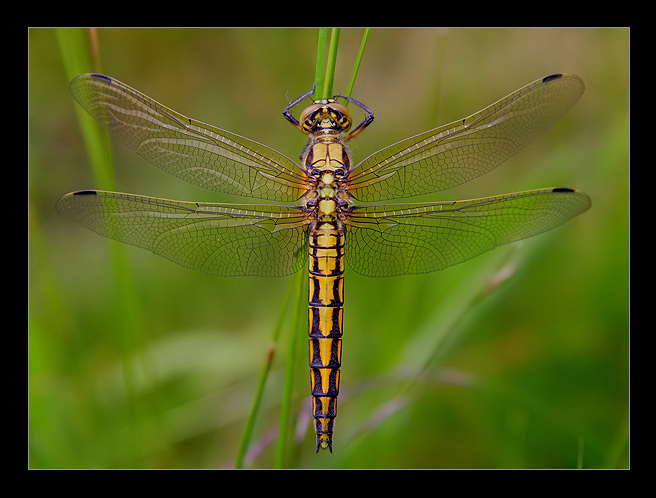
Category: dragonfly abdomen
[325,308]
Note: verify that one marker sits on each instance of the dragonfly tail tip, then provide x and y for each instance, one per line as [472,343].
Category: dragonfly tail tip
[324,442]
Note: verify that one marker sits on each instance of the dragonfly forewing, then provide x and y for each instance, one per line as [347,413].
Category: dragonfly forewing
[218,239]
[400,239]
[458,152]
[199,153]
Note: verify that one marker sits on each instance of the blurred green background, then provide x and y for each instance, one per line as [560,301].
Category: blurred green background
[443,370]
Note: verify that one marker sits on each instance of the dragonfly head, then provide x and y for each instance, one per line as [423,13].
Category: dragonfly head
[325,115]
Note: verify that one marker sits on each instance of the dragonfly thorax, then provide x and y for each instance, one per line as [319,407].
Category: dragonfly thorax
[326,162]
[326,154]
[327,197]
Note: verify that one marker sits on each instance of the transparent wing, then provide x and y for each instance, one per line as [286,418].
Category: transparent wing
[461,151]
[193,151]
[400,239]
[218,239]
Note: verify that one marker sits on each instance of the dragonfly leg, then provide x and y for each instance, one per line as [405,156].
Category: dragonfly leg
[365,122]
[287,113]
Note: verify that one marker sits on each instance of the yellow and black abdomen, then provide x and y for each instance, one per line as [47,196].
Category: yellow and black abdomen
[325,308]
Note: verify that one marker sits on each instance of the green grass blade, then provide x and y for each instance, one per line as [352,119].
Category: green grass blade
[79,56]
[330,67]
[321,59]
[285,423]
[356,66]
[252,416]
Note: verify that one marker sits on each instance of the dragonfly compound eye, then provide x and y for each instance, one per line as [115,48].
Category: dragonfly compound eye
[340,115]
[309,116]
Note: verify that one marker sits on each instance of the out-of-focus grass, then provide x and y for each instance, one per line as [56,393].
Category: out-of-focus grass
[533,375]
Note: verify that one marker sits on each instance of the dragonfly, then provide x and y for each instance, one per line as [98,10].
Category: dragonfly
[327,209]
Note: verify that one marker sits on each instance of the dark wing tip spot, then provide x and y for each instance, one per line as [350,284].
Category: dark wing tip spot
[552,77]
[101,77]
[85,192]
[563,189]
